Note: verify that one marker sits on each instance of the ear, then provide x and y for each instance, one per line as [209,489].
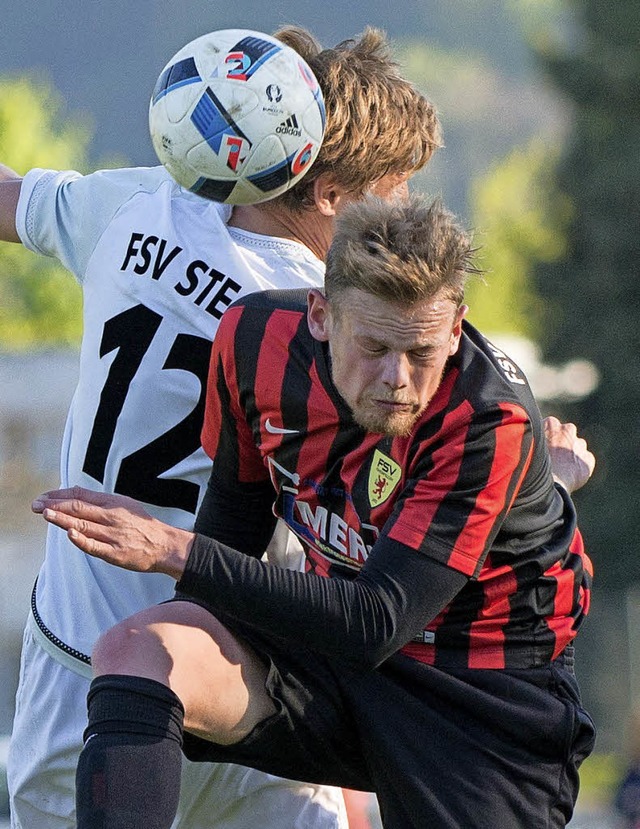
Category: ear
[318,315]
[328,195]
[456,332]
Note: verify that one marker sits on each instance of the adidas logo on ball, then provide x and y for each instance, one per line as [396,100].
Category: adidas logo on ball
[289,127]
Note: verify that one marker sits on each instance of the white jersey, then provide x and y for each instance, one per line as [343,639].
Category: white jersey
[158,267]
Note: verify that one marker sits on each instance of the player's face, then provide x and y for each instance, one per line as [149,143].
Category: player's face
[387,359]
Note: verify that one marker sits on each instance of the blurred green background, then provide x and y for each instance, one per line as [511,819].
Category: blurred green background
[540,105]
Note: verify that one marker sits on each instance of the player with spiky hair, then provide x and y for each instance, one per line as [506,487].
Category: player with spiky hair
[426,653]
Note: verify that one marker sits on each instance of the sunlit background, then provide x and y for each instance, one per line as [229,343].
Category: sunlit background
[540,105]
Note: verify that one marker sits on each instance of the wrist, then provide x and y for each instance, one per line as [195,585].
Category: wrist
[178,548]
[561,483]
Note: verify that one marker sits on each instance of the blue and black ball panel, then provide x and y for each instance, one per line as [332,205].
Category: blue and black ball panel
[179,74]
[213,121]
[266,181]
[212,189]
[274,177]
[251,52]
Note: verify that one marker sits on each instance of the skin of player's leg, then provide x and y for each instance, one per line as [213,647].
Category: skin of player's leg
[219,680]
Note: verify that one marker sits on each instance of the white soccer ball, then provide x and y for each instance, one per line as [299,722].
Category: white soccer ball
[237,116]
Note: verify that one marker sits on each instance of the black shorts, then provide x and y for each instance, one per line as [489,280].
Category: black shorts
[443,749]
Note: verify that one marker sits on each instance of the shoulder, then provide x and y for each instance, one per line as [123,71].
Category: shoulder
[110,188]
[486,400]
[488,376]
[123,179]
[67,196]
[481,391]
[275,301]
[261,318]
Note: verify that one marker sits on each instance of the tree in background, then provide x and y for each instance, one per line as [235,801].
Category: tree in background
[594,291]
[519,219]
[41,305]
[486,110]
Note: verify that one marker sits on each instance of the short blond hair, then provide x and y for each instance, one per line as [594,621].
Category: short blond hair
[401,251]
[377,121]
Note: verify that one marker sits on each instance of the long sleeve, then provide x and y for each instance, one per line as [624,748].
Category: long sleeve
[364,621]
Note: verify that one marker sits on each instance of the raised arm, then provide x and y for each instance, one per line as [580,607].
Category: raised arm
[10,184]
[6,173]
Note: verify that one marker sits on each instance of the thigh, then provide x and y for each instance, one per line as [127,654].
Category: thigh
[217,676]
[310,736]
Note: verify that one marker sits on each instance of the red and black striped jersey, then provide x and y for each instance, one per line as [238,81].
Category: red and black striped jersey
[470,487]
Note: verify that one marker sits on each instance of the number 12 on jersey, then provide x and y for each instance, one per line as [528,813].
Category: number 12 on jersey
[131,333]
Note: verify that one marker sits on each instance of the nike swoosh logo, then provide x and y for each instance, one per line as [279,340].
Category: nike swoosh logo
[278,430]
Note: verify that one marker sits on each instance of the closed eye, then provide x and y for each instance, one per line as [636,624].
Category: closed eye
[422,353]
[373,347]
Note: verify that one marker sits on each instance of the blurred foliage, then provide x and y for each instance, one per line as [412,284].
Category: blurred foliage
[508,194]
[600,775]
[34,129]
[41,304]
[594,291]
[519,219]
[547,25]
[485,112]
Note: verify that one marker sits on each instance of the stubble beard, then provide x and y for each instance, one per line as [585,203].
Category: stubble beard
[394,425]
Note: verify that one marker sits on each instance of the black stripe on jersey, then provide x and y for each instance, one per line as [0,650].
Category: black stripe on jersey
[472,597]
[538,587]
[247,343]
[293,406]
[227,456]
[450,512]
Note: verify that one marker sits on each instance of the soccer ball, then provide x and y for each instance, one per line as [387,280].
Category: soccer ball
[237,116]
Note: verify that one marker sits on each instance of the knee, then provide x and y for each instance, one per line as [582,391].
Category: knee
[129,648]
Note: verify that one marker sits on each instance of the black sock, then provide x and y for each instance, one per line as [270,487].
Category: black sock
[128,774]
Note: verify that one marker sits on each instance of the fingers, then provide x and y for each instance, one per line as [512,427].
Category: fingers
[80,495]
[73,509]
[67,520]
[86,536]
[572,462]
[565,435]
[111,527]
[560,434]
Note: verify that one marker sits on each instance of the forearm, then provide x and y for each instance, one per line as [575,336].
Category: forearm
[9,194]
[363,621]
[6,173]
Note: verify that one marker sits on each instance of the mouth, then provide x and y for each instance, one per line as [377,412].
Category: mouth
[395,405]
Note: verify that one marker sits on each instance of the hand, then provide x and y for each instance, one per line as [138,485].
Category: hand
[572,463]
[116,529]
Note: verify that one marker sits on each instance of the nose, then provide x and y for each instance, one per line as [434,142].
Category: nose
[395,372]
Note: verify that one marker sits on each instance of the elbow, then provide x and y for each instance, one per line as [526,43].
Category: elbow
[373,654]
[380,653]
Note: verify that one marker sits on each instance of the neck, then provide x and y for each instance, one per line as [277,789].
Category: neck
[308,227]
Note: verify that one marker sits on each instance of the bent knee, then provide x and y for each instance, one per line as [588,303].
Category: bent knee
[131,647]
